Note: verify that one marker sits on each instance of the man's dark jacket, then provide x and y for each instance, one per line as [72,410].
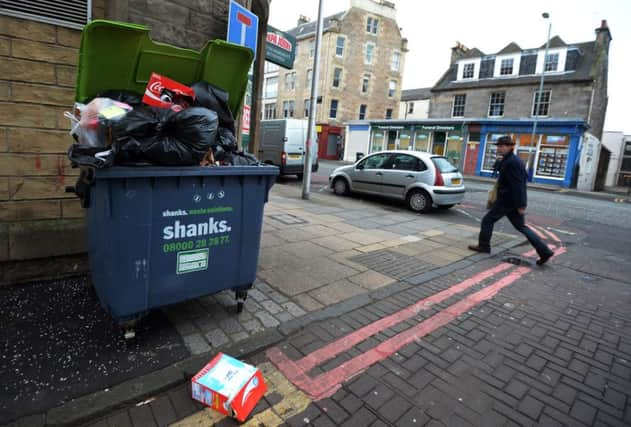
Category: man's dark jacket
[511,190]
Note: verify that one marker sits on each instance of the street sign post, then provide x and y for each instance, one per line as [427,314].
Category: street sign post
[242,26]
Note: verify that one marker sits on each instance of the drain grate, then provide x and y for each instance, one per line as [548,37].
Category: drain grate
[517,261]
[393,264]
[288,219]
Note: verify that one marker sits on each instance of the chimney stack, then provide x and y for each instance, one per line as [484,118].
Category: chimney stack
[603,35]
[302,19]
[457,51]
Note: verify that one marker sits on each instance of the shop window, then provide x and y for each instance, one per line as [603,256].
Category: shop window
[458,107]
[496,104]
[405,140]
[454,147]
[541,103]
[552,156]
[490,151]
[377,141]
[421,140]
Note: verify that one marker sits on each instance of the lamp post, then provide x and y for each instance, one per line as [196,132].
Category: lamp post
[538,97]
[311,134]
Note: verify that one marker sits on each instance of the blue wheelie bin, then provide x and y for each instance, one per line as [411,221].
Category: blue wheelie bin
[162,235]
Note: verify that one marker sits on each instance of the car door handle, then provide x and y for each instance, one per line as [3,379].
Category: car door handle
[409,176]
[379,174]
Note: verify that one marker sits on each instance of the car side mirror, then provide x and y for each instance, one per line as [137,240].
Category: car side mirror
[360,166]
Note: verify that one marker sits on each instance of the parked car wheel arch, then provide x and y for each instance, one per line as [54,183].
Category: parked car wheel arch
[419,200]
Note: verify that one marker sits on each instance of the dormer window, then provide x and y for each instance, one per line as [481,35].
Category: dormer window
[468,70]
[552,62]
[506,67]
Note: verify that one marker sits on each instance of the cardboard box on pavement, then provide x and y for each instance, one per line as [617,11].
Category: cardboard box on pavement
[229,386]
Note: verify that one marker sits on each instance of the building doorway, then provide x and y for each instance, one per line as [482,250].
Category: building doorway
[392,140]
[438,146]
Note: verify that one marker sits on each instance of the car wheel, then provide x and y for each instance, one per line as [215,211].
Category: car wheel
[445,207]
[419,201]
[340,186]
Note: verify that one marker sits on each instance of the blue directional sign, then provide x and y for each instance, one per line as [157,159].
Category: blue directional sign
[242,26]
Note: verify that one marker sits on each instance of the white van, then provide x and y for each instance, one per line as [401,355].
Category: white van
[282,144]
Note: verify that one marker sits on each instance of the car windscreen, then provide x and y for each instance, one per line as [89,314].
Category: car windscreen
[443,165]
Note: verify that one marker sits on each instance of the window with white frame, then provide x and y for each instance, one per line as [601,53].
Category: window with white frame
[392,88]
[396,61]
[365,83]
[307,104]
[333,109]
[362,111]
[552,62]
[496,104]
[339,46]
[288,109]
[458,106]
[271,87]
[506,67]
[369,53]
[270,111]
[311,49]
[309,78]
[337,77]
[290,81]
[372,25]
[468,70]
[541,103]
[270,67]
[389,113]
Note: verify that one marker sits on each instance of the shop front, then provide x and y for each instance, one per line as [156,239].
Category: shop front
[443,139]
[554,151]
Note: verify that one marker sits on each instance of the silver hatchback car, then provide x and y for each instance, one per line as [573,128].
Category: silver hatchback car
[423,180]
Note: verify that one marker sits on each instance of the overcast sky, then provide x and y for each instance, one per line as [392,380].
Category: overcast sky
[433,27]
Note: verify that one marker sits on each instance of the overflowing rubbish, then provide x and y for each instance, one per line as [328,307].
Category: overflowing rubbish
[229,386]
[163,92]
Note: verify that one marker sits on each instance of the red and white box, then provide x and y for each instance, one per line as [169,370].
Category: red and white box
[163,92]
[229,386]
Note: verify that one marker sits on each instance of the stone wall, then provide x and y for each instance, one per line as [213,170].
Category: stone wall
[566,100]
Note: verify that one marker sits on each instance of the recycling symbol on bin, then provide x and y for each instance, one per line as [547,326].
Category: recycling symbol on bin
[197,198]
[221,194]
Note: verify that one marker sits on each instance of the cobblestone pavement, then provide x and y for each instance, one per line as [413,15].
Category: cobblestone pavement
[552,347]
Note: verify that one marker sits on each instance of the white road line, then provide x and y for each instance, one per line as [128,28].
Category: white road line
[569,233]
[469,215]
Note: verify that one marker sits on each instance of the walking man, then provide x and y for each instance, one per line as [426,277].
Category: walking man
[511,202]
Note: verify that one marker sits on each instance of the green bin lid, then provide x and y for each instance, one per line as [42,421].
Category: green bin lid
[121,56]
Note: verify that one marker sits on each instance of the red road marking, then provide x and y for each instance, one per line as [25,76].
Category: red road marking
[550,234]
[326,384]
[536,231]
[347,342]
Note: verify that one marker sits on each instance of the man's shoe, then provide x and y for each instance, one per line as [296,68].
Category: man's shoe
[479,248]
[544,259]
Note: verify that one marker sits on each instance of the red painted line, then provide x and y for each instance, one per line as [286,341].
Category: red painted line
[552,235]
[537,232]
[349,341]
[329,382]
